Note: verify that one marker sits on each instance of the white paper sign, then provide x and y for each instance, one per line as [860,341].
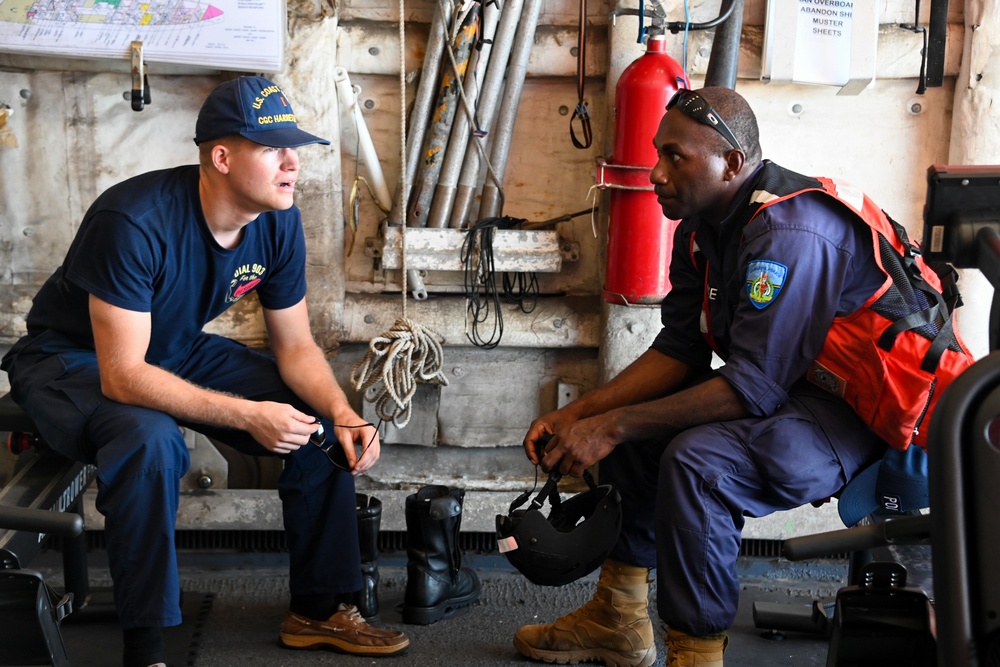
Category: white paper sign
[826,42]
[823,42]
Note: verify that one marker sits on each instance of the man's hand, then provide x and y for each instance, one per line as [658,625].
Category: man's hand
[546,425]
[562,440]
[279,427]
[361,444]
[578,446]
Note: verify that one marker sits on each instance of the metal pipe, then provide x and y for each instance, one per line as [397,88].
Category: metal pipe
[34,520]
[723,63]
[902,530]
[492,203]
[950,479]
[347,96]
[436,141]
[444,191]
[420,115]
[493,83]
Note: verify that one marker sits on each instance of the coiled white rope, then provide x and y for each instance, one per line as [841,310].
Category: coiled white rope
[408,352]
[399,358]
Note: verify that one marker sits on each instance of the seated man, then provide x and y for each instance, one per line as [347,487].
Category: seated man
[787,278]
[115,359]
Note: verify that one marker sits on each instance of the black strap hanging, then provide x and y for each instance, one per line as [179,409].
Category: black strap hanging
[549,491]
[581,110]
[915,27]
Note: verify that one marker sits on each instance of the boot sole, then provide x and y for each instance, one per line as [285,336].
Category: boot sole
[609,658]
[317,643]
[429,615]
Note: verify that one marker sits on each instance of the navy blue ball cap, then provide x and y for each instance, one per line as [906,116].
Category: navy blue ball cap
[254,108]
[895,485]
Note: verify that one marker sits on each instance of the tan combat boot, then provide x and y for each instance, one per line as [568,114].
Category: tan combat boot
[684,650]
[613,627]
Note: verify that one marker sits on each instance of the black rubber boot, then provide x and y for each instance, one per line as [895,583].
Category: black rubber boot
[369,520]
[437,586]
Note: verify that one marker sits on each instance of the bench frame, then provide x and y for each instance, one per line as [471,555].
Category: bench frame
[43,498]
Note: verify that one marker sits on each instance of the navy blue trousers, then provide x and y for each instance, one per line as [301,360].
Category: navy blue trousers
[685,496]
[141,455]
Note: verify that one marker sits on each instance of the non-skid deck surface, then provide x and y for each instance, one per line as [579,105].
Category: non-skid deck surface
[242,629]
[94,638]
[232,611]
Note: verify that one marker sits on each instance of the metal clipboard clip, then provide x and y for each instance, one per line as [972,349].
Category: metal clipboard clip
[140,82]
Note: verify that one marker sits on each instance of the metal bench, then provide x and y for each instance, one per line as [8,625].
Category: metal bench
[42,498]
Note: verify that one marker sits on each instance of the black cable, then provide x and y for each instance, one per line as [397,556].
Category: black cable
[483,299]
[521,288]
[477,257]
[676,26]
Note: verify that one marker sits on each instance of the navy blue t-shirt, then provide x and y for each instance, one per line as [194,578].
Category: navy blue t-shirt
[144,246]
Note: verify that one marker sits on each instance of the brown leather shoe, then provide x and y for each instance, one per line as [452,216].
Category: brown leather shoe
[346,632]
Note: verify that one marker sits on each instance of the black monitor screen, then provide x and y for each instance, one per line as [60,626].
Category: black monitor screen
[961,200]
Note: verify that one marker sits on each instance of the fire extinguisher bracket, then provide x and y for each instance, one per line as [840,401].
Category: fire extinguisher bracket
[622,176]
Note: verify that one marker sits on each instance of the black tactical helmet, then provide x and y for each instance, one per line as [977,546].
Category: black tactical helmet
[571,542]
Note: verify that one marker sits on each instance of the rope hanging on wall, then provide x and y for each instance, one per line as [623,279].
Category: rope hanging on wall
[408,352]
[399,358]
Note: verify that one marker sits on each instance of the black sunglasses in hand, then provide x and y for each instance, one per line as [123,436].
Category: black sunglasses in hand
[334,452]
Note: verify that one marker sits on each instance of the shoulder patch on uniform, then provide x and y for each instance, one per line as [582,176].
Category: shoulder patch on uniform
[764,281]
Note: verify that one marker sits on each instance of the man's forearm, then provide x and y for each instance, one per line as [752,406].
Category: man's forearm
[708,402]
[307,373]
[152,387]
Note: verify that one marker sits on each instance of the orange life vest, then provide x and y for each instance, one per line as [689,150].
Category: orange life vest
[891,359]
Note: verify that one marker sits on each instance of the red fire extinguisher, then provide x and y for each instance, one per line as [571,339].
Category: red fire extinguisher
[640,238]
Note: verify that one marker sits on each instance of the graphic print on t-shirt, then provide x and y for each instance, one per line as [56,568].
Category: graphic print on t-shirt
[245,279]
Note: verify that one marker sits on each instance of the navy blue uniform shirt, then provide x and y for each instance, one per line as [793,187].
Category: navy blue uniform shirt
[824,261]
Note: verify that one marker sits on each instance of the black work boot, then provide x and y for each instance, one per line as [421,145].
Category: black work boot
[437,586]
[369,520]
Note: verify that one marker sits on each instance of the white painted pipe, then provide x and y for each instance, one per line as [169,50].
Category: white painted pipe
[347,95]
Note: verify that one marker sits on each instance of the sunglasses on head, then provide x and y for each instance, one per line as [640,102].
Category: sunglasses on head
[334,452]
[694,106]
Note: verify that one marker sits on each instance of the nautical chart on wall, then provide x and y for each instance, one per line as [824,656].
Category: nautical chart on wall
[226,34]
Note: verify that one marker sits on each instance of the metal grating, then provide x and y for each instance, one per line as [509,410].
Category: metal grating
[773,548]
[761,548]
[273,541]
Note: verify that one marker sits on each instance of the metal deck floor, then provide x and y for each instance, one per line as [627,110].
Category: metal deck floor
[239,601]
